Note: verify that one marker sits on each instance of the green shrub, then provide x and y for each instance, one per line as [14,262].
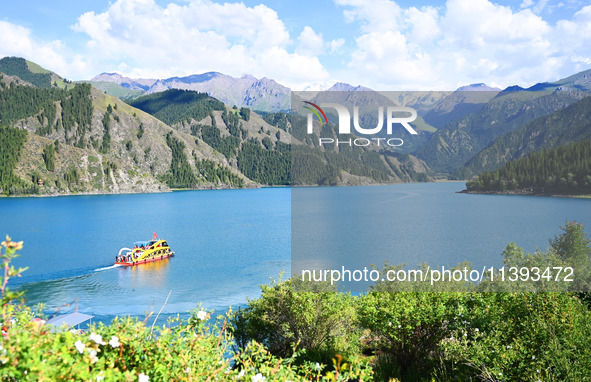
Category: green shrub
[521,336]
[406,329]
[285,318]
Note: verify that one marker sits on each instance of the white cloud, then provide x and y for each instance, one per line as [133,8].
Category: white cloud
[392,47]
[311,43]
[18,41]
[423,23]
[335,45]
[374,15]
[201,36]
[462,42]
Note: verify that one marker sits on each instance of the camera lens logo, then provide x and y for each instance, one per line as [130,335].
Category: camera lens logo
[316,112]
[393,116]
[345,118]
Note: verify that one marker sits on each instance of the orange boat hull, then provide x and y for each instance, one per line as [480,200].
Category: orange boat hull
[151,260]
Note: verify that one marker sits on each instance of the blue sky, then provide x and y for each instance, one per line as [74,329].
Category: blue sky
[382,44]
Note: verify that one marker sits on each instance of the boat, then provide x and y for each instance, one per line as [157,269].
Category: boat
[144,252]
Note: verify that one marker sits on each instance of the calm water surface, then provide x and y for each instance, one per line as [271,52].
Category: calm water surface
[411,224]
[228,242]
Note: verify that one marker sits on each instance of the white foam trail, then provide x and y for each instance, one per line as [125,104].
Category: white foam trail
[110,267]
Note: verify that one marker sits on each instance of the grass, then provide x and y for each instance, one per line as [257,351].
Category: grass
[35,68]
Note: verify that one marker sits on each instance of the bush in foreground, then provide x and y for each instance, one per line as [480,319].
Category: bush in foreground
[312,333]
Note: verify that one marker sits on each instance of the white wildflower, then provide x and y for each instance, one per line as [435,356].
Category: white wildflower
[188,370]
[258,378]
[533,357]
[114,342]
[476,330]
[79,346]
[143,378]
[93,357]
[100,377]
[317,366]
[202,315]
[241,374]
[97,338]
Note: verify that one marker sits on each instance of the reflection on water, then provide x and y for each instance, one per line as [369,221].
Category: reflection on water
[227,243]
[153,274]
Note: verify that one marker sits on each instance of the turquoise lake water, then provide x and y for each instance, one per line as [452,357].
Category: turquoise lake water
[228,242]
[420,223]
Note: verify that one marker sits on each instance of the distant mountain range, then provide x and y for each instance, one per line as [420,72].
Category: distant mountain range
[565,126]
[462,133]
[460,139]
[454,126]
[247,91]
[60,137]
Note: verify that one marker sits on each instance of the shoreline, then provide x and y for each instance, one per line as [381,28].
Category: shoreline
[131,193]
[526,193]
[256,186]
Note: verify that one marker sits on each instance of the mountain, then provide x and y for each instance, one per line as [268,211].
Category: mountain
[30,72]
[344,87]
[480,87]
[368,103]
[564,170]
[81,140]
[460,139]
[115,89]
[77,139]
[125,82]
[173,106]
[247,91]
[563,127]
[465,100]
[264,149]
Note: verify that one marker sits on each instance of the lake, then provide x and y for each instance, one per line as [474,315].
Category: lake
[228,242]
[417,223]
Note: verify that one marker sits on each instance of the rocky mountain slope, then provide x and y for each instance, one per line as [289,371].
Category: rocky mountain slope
[571,124]
[81,140]
[462,138]
[247,91]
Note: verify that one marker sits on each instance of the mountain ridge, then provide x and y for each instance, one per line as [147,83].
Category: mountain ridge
[563,127]
[453,145]
[262,94]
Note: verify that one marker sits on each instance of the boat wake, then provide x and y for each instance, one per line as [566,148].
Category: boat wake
[109,267]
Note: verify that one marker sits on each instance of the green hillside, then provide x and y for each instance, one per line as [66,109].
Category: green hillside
[561,170]
[565,126]
[81,140]
[173,106]
[31,72]
[455,144]
[78,139]
[16,66]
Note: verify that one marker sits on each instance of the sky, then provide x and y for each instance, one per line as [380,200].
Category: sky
[381,44]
